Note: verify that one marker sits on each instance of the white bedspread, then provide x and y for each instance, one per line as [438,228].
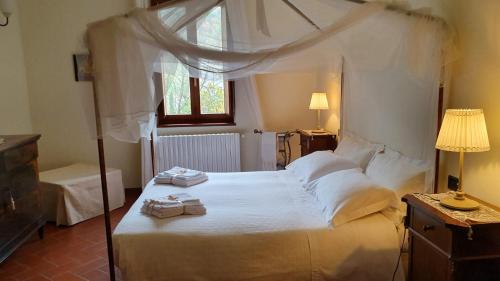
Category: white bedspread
[258,226]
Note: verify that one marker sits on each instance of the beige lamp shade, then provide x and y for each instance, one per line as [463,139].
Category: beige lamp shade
[318,101]
[463,130]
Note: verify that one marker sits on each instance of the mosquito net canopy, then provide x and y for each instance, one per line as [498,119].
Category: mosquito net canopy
[234,39]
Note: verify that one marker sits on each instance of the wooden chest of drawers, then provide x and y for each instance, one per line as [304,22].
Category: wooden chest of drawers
[444,249]
[20,197]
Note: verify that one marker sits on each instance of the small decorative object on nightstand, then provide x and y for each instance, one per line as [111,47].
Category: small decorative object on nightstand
[310,141]
[450,245]
[463,130]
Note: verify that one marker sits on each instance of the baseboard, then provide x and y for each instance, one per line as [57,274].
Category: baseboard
[136,191]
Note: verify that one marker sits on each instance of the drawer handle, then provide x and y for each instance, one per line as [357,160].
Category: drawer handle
[428,227]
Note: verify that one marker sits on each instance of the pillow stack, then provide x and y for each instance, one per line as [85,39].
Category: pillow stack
[400,173]
[357,150]
[345,193]
[318,164]
[349,194]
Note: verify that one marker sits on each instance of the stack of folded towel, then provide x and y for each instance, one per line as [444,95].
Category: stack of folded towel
[173,205]
[181,177]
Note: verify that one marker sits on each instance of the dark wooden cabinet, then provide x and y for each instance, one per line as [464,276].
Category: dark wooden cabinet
[20,197]
[442,248]
[311,142]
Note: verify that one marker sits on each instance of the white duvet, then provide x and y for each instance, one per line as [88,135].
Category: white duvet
[258,226]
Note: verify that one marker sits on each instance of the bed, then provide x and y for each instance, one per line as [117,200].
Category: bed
[258,226]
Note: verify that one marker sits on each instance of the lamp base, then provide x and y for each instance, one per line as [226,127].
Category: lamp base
[463,204]
[318,131]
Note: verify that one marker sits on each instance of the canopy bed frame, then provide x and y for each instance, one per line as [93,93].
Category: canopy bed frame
[99,127]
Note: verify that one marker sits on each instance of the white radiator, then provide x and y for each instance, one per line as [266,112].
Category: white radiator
[209,153]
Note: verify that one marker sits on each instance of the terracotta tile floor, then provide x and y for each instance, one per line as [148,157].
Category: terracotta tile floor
[66,253]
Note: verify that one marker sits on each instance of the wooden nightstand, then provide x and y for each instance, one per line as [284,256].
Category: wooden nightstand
[310,142]
[443,248]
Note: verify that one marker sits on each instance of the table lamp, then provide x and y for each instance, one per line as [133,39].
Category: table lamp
[318,102]
[463,130]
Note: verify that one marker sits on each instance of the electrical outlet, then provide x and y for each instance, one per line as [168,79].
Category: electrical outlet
[452,182]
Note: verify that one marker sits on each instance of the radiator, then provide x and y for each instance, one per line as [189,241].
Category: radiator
[209,152]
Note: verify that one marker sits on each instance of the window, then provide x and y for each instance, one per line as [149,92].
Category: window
[204,101]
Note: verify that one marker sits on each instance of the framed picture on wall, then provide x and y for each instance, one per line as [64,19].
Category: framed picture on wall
[82,67]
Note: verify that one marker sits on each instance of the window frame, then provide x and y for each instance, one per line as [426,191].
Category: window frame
[196,118]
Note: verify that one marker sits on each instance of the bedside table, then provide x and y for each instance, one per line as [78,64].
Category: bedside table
[444,246]
[311,142]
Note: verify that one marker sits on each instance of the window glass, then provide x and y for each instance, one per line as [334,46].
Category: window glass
[209,31]
[170,16]
[176,91]
[213,95]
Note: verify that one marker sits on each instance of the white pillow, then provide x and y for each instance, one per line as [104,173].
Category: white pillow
[318,164]
[348,195]
[356,149]
[400,173]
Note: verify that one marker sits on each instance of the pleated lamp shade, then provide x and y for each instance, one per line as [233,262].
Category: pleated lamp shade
[318,101]
[463,130]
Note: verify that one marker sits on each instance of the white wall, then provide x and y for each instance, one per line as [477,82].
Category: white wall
[285,97]
[476,84]
[15,116]
[52,31]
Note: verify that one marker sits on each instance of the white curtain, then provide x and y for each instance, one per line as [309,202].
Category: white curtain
[148,169]
[397,91]
[127,49]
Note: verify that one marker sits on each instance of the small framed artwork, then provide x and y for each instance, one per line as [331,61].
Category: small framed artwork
[82,67]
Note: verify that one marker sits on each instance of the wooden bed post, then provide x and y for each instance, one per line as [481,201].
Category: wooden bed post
[341,109]
[152,144]
[439,121]
[104,185]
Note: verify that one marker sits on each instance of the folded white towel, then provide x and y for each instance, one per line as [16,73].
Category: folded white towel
[181,177]
[173,205]
[166,201]
[162,210]
[184,198]
[194,209]
[189,182]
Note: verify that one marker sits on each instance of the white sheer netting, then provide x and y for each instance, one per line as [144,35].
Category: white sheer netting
[387,54]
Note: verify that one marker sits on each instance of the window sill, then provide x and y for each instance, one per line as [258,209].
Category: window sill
[195,125]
